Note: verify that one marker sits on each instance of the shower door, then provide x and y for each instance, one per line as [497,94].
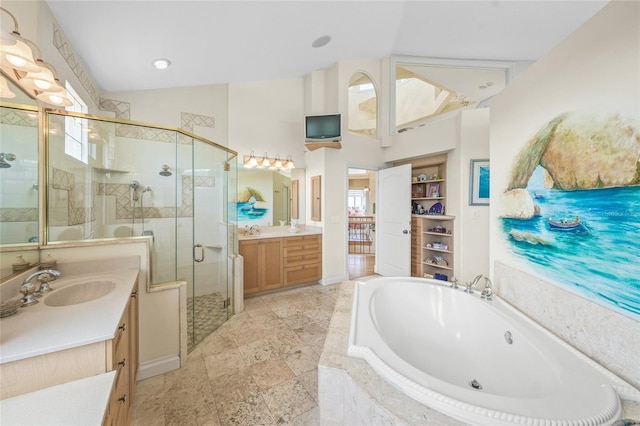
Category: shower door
[209,294]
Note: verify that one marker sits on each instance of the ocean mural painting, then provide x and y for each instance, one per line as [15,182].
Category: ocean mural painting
[251,204]
[571,207]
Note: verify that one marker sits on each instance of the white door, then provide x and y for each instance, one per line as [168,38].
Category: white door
[393,222]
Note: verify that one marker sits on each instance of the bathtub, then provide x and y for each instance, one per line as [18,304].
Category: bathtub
[481,362]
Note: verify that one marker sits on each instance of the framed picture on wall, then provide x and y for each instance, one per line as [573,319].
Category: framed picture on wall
[479,183]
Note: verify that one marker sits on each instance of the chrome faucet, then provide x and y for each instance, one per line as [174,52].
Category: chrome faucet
[251,230]
[487,291]
[28,289]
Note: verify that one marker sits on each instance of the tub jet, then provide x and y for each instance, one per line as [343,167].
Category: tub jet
[475,385]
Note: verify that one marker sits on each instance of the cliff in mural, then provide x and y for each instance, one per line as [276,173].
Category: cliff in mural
[576,151]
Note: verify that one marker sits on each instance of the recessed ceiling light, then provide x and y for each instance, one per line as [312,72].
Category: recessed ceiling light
[321,41]
[161,64]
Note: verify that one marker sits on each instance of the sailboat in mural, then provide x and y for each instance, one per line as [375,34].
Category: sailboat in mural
[564,224]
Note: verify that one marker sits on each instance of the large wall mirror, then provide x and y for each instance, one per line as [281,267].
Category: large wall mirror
[265,196]
[19,174]
[423,88]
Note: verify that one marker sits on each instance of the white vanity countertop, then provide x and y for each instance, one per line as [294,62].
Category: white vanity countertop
[81,402]
[40,329]
[276,232]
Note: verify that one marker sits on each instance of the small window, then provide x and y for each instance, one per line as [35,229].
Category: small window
[357,202]
[75,129]
[363,106]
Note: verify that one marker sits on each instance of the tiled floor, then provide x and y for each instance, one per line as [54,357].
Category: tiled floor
[259,368]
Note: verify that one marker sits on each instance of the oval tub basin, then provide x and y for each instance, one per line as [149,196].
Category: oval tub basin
[478,361]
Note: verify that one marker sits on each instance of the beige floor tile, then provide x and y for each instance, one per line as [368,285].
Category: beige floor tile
[258,351]
[270,373]
[310,418]
[229,361]
[302,360]
[288,400]
[234,387]
[251,411]
[216,343]
[258,368]
[309,381]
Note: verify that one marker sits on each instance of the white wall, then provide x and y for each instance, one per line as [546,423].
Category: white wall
[164,107]
[596,68]
[267,116]
[472,222]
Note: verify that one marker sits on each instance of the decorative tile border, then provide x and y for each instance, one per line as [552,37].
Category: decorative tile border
[121,109]
[124,205]
[64,47]
[19,214]
[188,120]
[145,133]
[18,118]
[66,181]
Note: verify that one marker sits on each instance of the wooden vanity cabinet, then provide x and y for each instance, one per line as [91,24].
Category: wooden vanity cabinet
[262,268]
[122,356]
[302,259]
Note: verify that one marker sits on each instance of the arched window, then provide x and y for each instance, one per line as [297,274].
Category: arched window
[363,106]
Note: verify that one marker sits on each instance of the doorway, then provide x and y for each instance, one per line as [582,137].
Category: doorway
[361,222]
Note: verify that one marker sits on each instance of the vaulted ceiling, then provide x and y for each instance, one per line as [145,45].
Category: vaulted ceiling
[213,42]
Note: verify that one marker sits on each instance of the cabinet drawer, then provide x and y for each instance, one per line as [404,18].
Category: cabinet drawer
[117,410]
[302,274]
[305,259]
[302,250]
[120,342]
[302,240]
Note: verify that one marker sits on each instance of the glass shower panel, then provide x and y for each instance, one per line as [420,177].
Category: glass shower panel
[208,301]
[127,180]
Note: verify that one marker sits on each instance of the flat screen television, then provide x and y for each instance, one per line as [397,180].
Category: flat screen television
[322,128]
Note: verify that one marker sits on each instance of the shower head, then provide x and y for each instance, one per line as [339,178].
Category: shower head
[134,184]
[165,170]
[146,189]
[4,157]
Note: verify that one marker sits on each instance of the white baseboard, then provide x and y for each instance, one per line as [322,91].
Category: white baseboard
[158,366]
[334,280]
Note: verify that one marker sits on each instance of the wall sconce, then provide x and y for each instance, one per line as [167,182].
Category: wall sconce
[36,77]
[250,162]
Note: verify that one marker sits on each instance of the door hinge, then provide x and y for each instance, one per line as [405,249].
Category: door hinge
[227,167]
[226,303]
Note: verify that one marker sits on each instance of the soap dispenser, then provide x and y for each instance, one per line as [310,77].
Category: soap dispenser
[20,264]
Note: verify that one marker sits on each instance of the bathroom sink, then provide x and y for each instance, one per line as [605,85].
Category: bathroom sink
[79,293]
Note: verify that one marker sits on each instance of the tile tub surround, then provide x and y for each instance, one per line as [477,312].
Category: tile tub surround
[351,393]
[260,367]
[603,335]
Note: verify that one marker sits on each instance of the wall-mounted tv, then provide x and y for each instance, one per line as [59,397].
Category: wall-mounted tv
[322,128]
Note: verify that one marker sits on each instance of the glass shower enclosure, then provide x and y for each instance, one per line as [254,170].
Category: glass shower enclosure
[111,178]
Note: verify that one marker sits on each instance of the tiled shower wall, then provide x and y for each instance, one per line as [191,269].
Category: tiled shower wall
[19,212]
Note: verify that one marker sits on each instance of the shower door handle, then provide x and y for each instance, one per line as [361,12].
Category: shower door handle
[201,247]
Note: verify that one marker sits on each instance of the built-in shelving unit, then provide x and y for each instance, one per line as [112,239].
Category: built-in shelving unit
[432,251]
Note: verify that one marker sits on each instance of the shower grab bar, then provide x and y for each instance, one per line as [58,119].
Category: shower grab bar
[201,247]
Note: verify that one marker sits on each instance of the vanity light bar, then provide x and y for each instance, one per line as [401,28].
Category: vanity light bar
[251,162]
